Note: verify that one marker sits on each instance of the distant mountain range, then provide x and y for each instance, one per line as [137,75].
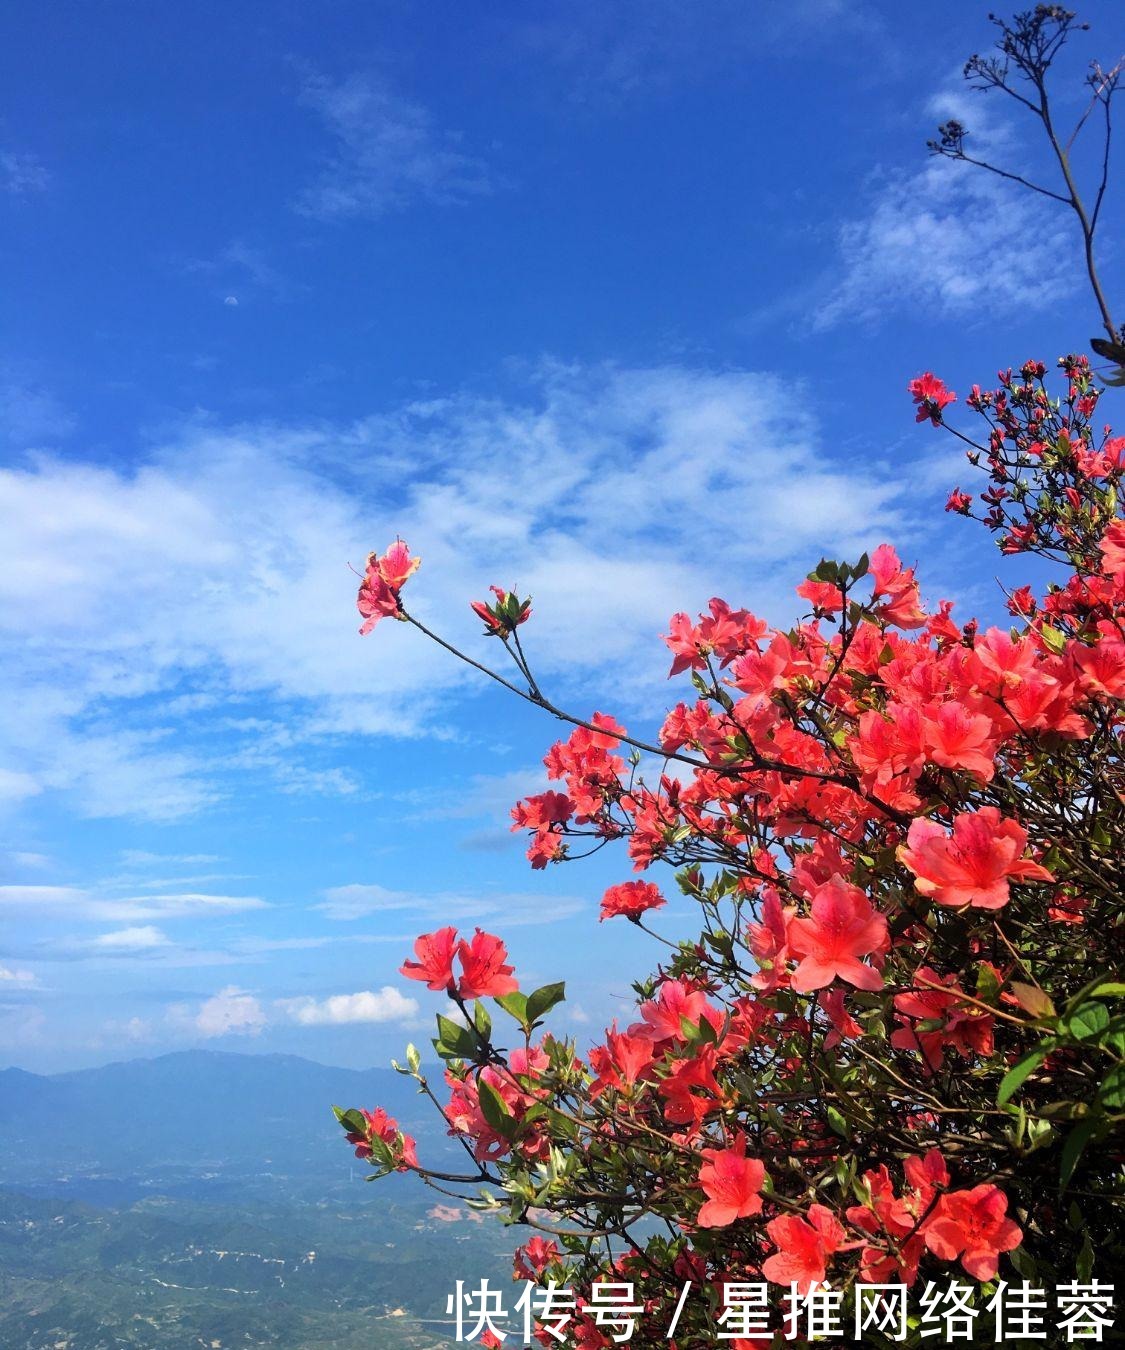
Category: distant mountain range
[193,1109]
[202,1200]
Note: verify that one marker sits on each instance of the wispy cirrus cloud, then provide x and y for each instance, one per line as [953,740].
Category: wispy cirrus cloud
[139,857]
[240,270]
[22,174]
[948,239]
[140,938]
[15,786]
[12,978]
[27,861]
[518,909]
[75,902]
[640,47]
[142,608]
[389,153]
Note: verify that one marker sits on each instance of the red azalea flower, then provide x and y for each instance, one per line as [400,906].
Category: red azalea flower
[732,1182]
[482,960]
[533,1258]
[630,898]
[973,865]
[382,581]
[841,928]
[931,396]
[804,1247]
[973,1225]
[1112,549]
[435,952]
[396,566]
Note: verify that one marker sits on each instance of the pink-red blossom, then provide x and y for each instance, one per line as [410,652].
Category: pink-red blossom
[631,899]
[974,864]
[973,1226]
[732,1183]
[842,927]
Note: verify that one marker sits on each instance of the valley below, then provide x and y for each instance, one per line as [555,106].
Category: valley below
[128,1220]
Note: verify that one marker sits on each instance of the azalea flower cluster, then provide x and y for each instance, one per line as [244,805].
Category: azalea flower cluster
[896,1046]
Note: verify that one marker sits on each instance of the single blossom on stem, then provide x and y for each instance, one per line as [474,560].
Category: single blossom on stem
[732,1183]
[842,927]
[631,899]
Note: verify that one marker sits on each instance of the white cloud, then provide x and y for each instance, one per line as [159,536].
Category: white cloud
[487,796]
[16,979]
[219,568]
[516,908]
[36,861]
[385,1005]
[389,154]
[240,269]
[949,239]
[23,1026]
[231,1012]
[135,1029]
[42,898]
[356,901]
[15,786]
[22,174]
[76,902]
[139,858]
[136,939]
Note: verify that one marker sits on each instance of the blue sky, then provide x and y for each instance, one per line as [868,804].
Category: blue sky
[615,302]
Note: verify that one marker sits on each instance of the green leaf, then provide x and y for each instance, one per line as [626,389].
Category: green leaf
[1112,1091]
[493,1107]
[543,1000]
[1013,1080]
[1053,638]
[1084,1265]
[352,1120]
[1023,1262]
[988,984]
[1101,984]
[1087,1021]
[413,1058]
[454,1041]
[482,1020]
[838,1123]
[515,1005]
[381,1151]
[1072,1148]
[1111,989]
